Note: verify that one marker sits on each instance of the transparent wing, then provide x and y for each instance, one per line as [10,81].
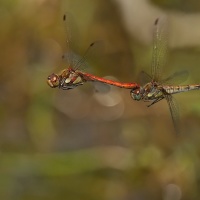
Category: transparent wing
[81,63]
[160,38]
[144,78]
[74,60]
[173,107]
[93,51]
[176,78]
[68,56]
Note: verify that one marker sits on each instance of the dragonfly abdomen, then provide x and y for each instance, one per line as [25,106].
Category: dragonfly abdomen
[90,77]
[170,89]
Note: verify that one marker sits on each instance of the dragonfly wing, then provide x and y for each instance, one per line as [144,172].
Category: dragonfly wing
[67,20]
[79,62]
[160,38]
[74,60]
[144,78]
[93,51]
[176,78]
[173,107]
[70,57]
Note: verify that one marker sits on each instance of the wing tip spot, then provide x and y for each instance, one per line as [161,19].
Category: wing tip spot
[156,21]
[64,17]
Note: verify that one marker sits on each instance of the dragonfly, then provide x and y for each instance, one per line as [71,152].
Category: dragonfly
[157,89]
[73,76]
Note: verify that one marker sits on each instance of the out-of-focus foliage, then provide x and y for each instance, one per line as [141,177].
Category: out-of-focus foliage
[179,5]
[90,142]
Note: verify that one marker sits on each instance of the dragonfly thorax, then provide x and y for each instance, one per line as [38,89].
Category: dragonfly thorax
[149,91]
[70,79]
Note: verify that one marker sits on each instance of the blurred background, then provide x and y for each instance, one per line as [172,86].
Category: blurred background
[95,142]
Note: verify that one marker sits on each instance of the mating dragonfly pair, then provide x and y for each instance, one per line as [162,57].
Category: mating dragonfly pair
[154,90]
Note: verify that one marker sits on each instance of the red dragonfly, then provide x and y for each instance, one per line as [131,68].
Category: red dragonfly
[72,76]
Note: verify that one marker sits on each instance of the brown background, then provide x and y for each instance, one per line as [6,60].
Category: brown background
[87,143]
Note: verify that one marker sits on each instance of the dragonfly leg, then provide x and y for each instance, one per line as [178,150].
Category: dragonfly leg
[70,86]
[147,100]
[155,101]
[66,87]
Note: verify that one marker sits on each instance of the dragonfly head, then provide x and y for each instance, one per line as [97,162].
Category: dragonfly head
[53,80]
[136,94]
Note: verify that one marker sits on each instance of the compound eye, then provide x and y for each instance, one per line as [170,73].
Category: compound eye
[135,94]
[53,80]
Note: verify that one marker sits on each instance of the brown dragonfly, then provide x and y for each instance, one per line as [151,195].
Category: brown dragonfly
[157,89]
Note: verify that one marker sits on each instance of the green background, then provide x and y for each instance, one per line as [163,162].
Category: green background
[93,142]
